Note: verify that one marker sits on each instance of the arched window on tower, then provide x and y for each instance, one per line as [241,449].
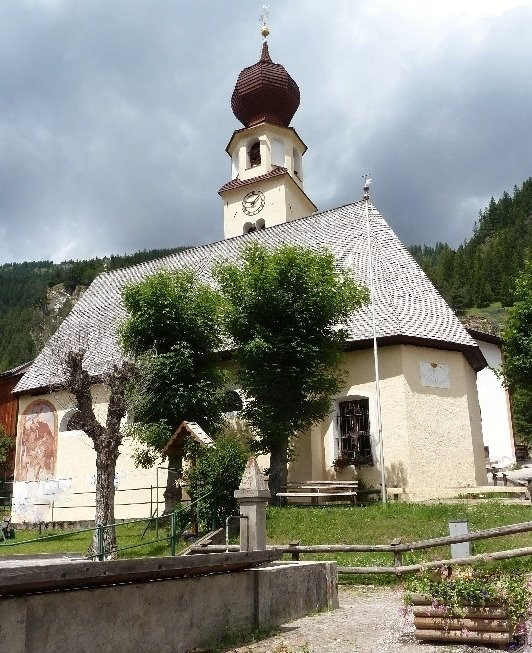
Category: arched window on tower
[254,154]
[260,224]
[249,227]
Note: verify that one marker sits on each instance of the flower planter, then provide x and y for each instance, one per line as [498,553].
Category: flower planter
[488,624]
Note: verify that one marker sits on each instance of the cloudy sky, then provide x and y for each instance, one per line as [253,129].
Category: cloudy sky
[114,116]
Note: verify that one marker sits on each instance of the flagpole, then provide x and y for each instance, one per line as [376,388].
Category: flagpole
[375,349]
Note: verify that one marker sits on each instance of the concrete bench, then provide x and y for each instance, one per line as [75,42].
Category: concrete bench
[395,492]
[494,490]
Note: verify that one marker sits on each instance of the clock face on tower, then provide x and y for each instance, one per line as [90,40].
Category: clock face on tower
[253,202]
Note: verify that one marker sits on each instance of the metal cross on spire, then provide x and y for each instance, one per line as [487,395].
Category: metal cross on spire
[264,18]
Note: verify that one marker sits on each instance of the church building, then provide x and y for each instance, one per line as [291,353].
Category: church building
[431,425]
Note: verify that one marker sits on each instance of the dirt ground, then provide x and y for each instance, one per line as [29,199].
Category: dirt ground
[369,620]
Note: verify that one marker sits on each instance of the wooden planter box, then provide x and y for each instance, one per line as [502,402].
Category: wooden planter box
[480,624]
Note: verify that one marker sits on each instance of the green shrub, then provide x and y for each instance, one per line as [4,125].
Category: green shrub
[215,477]
[6,445]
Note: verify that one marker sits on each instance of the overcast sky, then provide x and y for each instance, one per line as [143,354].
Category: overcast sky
[114,116]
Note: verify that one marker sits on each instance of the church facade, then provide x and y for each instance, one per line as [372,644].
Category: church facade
[431,425]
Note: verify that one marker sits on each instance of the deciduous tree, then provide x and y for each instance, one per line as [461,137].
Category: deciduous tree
[286,312]
[106,438]
[173,330]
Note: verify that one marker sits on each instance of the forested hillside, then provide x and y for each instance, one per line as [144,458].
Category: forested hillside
[484,268]
[36,296]
[483,271]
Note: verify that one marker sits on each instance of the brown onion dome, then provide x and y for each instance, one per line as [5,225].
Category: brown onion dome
[265,92]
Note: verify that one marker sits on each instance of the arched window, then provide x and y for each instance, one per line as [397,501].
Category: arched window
[248,228]
[232,402]
[260,224]
[254,154]
[70,421]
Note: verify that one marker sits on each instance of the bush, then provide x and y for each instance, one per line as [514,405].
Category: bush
[215,477]
[6,445]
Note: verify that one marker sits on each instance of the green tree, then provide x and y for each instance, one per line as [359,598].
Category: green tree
[517,333]
[7,445]
[517,349]
[173,330]
[286,312]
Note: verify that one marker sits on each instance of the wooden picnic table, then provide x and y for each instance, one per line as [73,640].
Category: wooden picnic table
[316,490]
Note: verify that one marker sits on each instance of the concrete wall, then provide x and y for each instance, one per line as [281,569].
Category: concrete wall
[171,616]
[432,434]
[432,439]
[497,428]
[72,483]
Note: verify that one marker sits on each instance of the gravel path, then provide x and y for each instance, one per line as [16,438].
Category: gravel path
[369,620]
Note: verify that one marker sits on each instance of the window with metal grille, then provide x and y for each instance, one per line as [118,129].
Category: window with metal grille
[353,431]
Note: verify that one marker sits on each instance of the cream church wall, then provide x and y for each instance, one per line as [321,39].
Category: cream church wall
[495,408]
[75,469]
[432,437]
[445,436]
[281,203]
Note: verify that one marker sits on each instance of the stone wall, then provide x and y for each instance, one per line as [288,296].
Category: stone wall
[168,616]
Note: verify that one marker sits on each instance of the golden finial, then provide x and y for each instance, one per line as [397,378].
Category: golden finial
[264,17]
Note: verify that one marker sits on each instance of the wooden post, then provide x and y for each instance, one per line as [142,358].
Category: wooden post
[397,555]
[295,554]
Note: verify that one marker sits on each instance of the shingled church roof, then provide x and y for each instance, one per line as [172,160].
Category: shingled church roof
[408,307]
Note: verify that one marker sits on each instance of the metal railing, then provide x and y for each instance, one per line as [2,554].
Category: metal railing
[154,501]
[174,533]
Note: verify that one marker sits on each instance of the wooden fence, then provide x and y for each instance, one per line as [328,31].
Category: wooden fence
[398,548]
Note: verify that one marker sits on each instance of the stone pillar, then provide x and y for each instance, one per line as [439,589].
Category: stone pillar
[252,496]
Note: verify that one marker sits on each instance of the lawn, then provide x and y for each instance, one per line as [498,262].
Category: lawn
[373,524]
[69,541]
[378,524]
[494,313]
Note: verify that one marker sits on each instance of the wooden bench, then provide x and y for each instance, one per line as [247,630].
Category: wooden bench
[316,490]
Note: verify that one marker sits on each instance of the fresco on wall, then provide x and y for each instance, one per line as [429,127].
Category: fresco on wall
[36,451]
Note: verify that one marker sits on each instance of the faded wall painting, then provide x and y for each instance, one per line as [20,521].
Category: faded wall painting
[37,444]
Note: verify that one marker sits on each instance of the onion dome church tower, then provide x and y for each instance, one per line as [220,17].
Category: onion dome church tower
[266,186]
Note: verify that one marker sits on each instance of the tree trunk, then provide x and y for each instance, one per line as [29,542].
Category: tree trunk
[173,492]
[278,469]
[105,503]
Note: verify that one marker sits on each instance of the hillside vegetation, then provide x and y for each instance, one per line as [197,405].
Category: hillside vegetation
[483,269]
[36,296]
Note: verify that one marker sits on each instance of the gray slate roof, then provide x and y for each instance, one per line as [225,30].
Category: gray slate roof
[408,307]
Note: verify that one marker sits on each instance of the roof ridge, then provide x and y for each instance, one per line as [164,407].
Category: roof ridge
[194,248]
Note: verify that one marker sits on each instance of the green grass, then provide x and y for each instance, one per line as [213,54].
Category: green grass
[373,524]
[378,524]
[496,313]
[68,541]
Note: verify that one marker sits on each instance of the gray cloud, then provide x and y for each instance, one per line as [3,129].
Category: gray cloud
[114,117]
